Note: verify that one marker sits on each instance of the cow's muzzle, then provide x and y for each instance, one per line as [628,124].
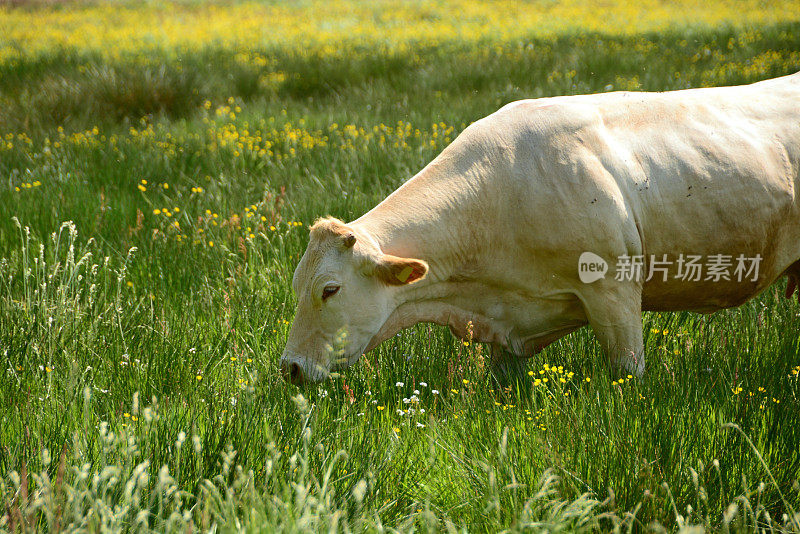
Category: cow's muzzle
[292,372]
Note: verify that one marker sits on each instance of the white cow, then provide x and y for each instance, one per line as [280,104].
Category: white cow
[491,231]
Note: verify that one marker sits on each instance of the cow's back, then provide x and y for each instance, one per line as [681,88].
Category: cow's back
[695,172]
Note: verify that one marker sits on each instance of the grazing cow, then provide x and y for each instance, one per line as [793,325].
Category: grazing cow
[555,213]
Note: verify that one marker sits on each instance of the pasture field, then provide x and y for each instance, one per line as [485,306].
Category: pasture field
[160,164]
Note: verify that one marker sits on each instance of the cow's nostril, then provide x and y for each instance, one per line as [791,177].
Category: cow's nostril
[292,372]
[295,373]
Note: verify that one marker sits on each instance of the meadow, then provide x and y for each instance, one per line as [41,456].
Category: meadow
[160,164]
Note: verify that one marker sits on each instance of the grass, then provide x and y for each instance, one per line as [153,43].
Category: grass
[140,388]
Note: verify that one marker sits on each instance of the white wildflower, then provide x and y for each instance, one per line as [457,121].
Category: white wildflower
[180,440]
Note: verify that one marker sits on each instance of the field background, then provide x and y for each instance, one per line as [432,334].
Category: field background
[191,144]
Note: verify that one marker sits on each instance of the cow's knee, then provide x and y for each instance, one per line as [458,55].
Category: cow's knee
[623,345]
[617,325]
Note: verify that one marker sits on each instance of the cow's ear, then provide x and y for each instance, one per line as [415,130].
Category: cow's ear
[396,271]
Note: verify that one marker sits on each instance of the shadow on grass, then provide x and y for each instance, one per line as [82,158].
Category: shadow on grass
[86,91]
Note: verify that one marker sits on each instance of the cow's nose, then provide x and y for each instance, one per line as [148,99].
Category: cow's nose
[292,372]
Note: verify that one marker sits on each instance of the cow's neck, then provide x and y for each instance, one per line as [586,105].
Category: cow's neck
[437,217]
[463,323]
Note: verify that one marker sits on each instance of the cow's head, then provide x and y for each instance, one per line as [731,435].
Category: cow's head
[346,289]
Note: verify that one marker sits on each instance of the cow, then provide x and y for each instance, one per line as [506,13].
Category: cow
[517,227]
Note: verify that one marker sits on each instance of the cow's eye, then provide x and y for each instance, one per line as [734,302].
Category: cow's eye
[329,291]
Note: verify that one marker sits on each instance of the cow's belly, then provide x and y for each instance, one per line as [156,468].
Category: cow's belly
[720,197]
[734,266]
[738,256]
[698,296]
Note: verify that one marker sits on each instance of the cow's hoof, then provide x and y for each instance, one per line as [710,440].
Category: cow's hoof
[507,372]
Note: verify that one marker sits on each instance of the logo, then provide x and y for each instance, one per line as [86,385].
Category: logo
[591,267]
[687,267]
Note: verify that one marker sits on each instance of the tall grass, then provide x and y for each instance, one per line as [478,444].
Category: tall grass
[140,389]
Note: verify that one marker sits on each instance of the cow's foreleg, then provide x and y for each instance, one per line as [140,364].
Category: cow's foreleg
[505,366]
[616,318]
[624,346]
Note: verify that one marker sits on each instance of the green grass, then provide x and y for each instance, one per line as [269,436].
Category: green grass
[118,334]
